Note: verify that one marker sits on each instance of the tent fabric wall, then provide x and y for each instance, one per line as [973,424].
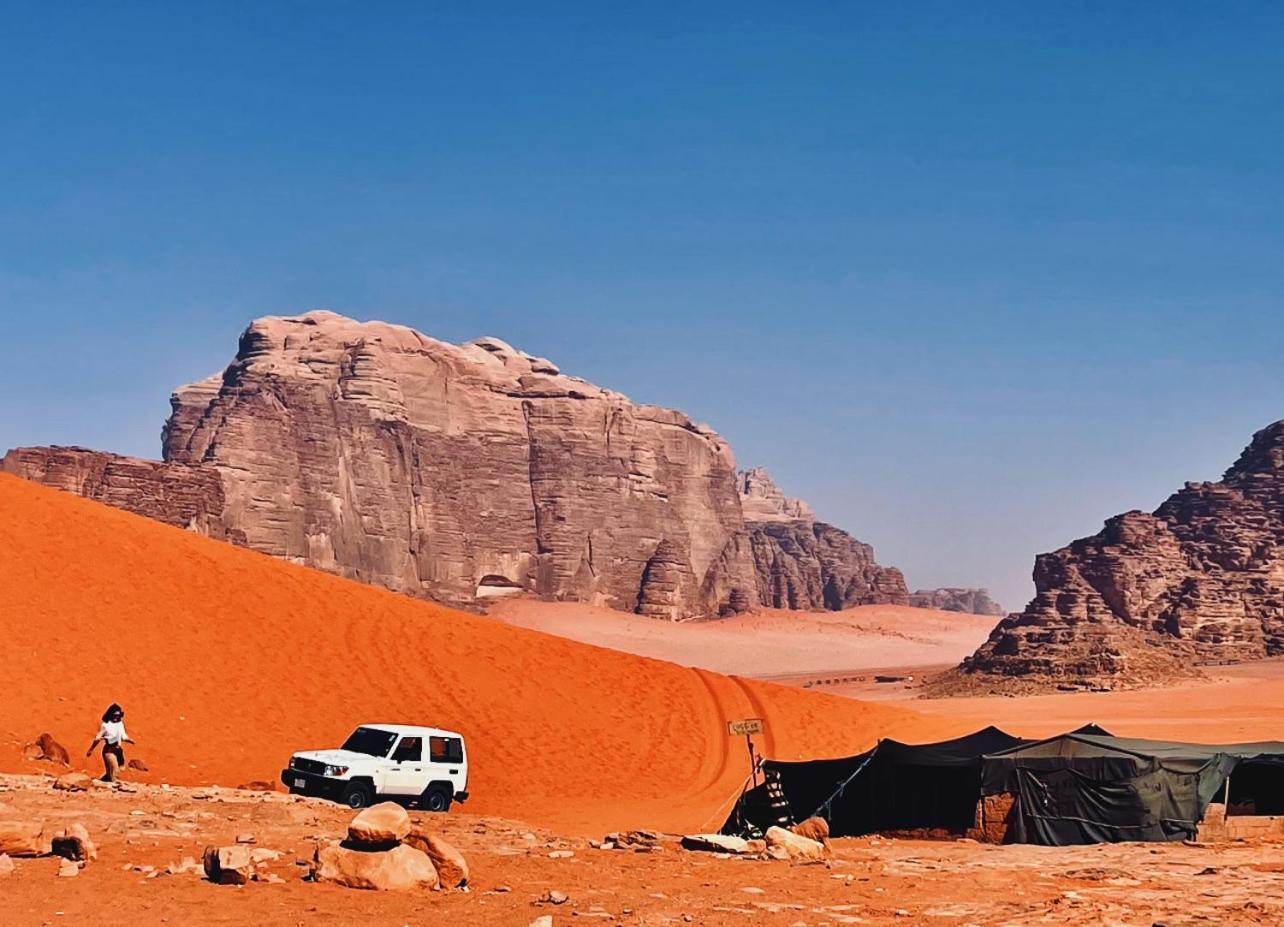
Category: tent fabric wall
[1083,788]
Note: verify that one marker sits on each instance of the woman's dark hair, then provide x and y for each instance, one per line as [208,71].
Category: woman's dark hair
[112,710]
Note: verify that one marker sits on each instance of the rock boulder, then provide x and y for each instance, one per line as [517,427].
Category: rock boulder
[402,868]
[73,782]
[792,845]
[24,838]
[452,868]
[379,825]
[230,865]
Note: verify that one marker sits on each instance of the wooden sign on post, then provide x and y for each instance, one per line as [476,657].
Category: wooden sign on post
[748,727]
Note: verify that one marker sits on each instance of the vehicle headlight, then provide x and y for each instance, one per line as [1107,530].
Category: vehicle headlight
[335,770]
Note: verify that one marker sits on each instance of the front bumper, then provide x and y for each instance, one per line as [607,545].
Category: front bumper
[312,784]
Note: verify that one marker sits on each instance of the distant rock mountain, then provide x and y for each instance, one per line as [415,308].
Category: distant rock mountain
[802,563]
[459,472]
[1201,580]
[957,599]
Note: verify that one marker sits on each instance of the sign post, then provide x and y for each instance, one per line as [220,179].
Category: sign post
[748,727]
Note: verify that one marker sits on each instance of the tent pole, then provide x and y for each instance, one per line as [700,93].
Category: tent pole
[1226,797]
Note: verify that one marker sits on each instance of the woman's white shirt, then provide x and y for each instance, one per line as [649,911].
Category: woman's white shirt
[113,732]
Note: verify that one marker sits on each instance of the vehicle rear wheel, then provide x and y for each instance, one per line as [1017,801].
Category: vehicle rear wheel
[357,795]
[436,798]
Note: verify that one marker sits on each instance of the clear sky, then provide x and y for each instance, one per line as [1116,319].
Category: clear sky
[970,277]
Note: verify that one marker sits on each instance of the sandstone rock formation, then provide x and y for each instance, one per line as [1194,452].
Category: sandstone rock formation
[460,472]
[188,497]
[1201,580]
[956,599]
[801,563]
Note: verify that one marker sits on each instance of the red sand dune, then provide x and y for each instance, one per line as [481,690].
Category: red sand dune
[227,660]
[770,643]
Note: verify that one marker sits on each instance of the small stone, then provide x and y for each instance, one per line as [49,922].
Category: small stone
[561,854]
[245,838]
[228,865]
[552,896]
[544,920]
[715,843]
[68,869]
[72,782]
[6,865]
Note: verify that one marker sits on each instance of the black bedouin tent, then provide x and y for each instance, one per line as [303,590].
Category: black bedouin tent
[893,787]
[1087,788]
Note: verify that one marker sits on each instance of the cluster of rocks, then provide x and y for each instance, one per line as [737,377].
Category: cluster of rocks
[803,842]
[461,472]
[957,599]
[386,851]
[1150,596]
[32,839]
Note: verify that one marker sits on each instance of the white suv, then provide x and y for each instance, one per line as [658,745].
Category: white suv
[420,765]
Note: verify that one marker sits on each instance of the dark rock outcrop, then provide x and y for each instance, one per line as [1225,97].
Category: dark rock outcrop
[1201,580]
[180,495]
[456,472]
[957,599]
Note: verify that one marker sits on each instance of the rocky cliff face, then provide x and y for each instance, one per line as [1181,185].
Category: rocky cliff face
[801,563]
[455,472]
[1200,580]
[186,497]
[957,599]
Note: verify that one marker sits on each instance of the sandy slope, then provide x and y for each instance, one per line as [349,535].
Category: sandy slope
[769,643]
[227,660]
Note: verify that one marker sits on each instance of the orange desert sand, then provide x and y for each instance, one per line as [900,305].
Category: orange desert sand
[770,643]
[227,661]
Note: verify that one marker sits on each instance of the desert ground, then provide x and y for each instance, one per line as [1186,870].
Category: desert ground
[227,661]
[144,832]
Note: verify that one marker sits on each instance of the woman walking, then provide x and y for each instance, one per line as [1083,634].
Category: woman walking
[111,734]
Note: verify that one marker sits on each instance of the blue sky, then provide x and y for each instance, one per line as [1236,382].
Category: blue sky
[968,277]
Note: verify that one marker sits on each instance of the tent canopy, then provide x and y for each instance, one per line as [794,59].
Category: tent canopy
[894,786]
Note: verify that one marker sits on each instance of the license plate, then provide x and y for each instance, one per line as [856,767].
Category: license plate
[300,783]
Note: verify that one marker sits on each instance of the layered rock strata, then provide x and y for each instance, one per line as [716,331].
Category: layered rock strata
[458,472]
[1201,580]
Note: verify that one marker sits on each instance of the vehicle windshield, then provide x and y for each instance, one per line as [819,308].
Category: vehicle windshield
[370,740]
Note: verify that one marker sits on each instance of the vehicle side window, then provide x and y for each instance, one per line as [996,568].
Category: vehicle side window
[410,749]
[446,749]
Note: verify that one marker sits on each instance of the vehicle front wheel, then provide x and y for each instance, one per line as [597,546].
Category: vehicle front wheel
[436,798]
[358,795]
